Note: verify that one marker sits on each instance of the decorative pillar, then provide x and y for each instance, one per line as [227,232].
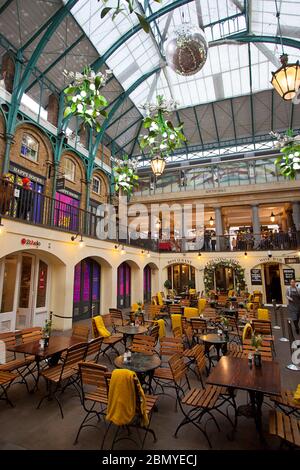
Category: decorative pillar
[296,215]
[53,109]
[219,228]
[8,71]
[256,224]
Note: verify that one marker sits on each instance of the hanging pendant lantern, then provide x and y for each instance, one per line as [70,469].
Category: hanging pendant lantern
[286,79]
[158,164]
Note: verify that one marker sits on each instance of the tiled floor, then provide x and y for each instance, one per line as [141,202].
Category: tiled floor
[25,427]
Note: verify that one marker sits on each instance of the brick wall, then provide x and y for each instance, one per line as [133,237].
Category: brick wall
[79,185]
[103,197]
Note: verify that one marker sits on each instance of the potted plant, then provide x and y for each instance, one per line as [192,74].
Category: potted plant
[168,285]
[125,175]
[289,146]
[161,137]
[256,342]
[224,326]
[83,98]
[46,332]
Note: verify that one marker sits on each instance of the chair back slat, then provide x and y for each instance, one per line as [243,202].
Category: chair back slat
[170,346]
[81,332]
[175,309]
[94,348]
[75,354]
[93,375]
[143,344]
[31,334]
[116,317]
[262,327]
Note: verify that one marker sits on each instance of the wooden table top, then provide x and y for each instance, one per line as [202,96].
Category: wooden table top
[57,344]
[132,330]
[139,363]
[213,338]
[235,372]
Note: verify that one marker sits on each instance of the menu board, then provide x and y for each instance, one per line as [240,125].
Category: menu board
[256,279]
[288,274]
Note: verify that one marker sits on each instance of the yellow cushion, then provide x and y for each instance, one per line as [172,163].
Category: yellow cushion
[257,292]
[201,305]
[231,293]
[176,321]
[190,312]
[247,331]
[249,306]
[256,299]
[162,328]
[262,314]
[297,395]
[134,307]
[100,327]
[192,291]
[160,299]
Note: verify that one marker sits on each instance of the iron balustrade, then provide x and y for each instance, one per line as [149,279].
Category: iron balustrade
[33,207]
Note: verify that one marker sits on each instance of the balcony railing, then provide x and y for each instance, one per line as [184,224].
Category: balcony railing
[33,207]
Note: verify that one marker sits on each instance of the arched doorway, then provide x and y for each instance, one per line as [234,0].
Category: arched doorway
[181,277]
[147,283]
[272,282]
[86,296]
[124,286]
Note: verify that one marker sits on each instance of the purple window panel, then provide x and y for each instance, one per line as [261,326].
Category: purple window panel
[86,280]
[77,283]
[96,282]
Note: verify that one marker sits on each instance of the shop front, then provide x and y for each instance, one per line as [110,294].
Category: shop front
[67,203]
[24,291]
[181,276]
[86,296]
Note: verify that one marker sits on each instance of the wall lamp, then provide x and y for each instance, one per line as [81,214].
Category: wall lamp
[122,251]
[199,255]
[245,254]
[148,254]
[269,254]
[81,241]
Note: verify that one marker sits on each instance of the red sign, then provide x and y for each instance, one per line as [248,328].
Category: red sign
[28,242]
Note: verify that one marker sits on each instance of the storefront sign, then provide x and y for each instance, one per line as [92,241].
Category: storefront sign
[69,192]
[29,242]
[26,174]
[60,184]
[288,274]
[272,259]
[180,261]
[256,279]
[292,260]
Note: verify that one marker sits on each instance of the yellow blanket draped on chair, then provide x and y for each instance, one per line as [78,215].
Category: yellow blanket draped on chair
[176,321]
[99,327]
[122,400]
[190,312]
[162,328]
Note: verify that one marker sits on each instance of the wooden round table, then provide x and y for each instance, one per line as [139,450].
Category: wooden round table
[143,364]
[129,331]
[218,341]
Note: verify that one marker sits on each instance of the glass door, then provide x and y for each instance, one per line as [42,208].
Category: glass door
[147,284]
[124,286]
[41,298]
[24,317]
[8,276]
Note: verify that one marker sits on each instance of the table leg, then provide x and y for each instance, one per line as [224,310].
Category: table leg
[256,399]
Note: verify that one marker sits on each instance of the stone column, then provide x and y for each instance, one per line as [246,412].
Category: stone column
[53,109]
[296,215]
[8,71]
[256,224]
[219,228]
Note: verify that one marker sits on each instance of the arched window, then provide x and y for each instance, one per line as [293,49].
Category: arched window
[96,185]
[29,147]
[69,169]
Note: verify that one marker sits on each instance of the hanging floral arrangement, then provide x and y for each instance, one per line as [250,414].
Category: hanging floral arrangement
[210,268]
[125,175]
[162,136]
[83,96]
[289,146]
[126,7]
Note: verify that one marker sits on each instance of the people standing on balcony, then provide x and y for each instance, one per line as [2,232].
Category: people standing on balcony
[213,239]
[25,200]
[207,240]
[233,244]
[293,296]
[6,194]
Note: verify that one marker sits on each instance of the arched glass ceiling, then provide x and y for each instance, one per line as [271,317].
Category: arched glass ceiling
[227,71]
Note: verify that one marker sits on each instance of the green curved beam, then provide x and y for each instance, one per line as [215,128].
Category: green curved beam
[162,11]
[246,38]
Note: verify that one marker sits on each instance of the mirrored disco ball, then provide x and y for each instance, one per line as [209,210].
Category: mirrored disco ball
[186,49]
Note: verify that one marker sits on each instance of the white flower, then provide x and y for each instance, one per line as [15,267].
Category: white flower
[74,99]
[79,107]
[83,93]
[165,134]
[151,140]
[92,87]
[162,146]
[172,136]
[154,126]
[89,111]
[296,166]
[296,154]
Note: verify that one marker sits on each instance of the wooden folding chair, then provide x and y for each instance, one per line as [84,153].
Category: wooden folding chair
[143,344]
[94,392]
[264,328]
[63,375]
[108,343]
[93,351]
[81,332]
[285,427]
[6,379]
[286,403]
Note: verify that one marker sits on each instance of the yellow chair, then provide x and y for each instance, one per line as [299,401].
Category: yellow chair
[176,321]
[190,312]
[247,332]
[263,314]
[201,305]
[160,299]
[249,306]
